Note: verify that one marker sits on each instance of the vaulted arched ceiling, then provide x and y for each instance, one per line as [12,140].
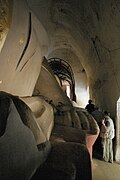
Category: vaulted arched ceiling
[90,29]
[81,26]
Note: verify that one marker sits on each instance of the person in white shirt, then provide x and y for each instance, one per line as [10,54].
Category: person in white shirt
[108,127]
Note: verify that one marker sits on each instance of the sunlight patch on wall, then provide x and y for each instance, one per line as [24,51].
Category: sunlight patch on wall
[82,96]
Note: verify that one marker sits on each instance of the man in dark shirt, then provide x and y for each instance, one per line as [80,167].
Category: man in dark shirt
[90,107]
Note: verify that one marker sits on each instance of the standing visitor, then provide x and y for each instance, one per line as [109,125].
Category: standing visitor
[90,107]
[107,134]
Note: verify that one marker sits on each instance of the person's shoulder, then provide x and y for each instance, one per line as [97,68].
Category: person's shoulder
[86,105]
[111,120]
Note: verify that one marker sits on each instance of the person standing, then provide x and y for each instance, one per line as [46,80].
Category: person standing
[90,107]
[107,134]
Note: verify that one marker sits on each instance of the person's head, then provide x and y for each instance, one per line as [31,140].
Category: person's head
[90,101]
[106,114]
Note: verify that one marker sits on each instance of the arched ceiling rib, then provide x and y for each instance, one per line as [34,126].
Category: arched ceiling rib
[62,69]
[70,57]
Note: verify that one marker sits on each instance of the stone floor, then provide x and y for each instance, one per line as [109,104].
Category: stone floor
[105,171]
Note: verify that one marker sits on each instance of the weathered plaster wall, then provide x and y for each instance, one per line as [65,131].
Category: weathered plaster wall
[5,19]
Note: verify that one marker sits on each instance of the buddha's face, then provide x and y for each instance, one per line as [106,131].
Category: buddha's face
[5,19]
